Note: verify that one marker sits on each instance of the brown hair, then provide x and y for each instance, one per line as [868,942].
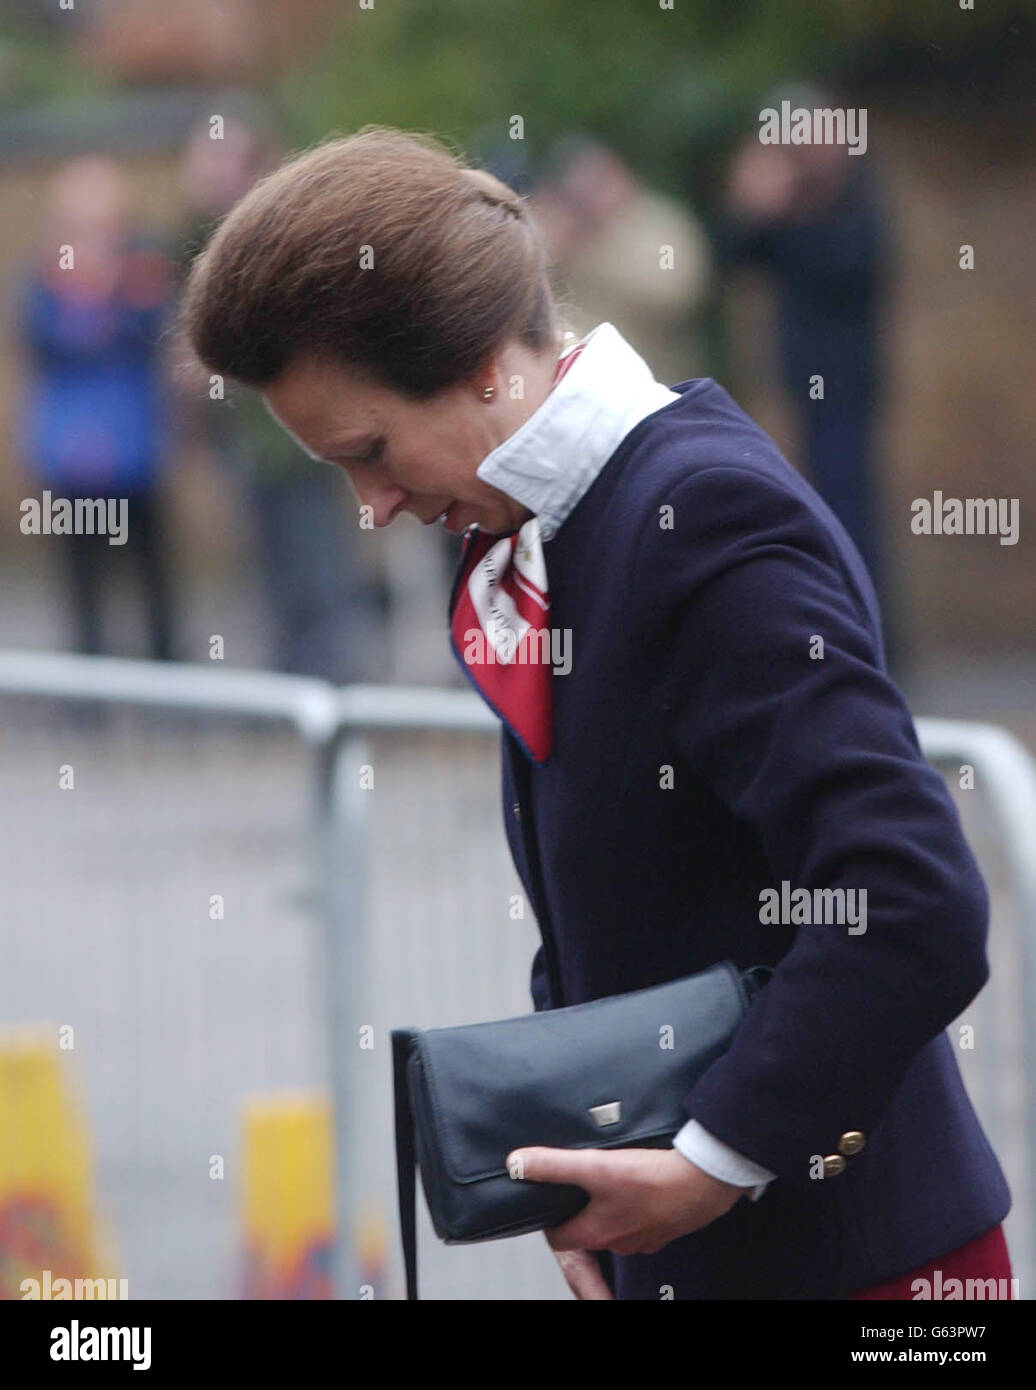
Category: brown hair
[457,270]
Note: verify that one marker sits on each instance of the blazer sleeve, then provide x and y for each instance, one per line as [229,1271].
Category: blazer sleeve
[819,754]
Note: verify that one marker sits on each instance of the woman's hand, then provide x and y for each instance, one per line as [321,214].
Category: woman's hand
[582,1274]
[640,1199]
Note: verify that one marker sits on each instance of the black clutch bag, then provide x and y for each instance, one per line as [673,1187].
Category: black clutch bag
[609,1074]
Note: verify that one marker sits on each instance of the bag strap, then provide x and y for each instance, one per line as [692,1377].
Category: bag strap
[402,1044]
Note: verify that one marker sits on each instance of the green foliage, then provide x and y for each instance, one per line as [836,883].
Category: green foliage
[665,87]
[34,68]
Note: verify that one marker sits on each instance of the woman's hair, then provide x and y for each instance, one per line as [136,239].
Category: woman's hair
[380,250]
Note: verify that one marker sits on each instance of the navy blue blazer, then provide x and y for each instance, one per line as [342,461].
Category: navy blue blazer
[696,574]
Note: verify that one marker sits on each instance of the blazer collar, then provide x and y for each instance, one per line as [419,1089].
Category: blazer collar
[553,457]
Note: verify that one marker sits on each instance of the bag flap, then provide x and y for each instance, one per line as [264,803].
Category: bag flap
[604,1074]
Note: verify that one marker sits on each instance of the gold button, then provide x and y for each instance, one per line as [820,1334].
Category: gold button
[833,1165]
[851,1142]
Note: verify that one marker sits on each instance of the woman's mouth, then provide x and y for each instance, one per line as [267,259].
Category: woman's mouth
[449,519]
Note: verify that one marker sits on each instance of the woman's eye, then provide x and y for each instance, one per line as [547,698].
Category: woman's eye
[371,456]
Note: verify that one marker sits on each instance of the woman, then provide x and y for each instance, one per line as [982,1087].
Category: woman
[684,649]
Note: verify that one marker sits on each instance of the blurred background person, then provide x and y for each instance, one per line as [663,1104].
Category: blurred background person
[627,255]
[95,422]
[810,216]
[321,612]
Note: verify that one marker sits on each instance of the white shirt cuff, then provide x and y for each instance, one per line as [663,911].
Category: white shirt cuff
[720,1161]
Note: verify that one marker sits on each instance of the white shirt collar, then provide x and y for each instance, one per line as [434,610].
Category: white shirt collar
[553,457]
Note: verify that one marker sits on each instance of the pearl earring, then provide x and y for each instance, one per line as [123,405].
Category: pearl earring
[488,392]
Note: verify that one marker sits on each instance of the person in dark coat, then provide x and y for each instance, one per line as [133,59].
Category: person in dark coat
[812,217]
[319,609]
[707,760]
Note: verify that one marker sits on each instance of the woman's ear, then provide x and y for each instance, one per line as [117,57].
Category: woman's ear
[489,380]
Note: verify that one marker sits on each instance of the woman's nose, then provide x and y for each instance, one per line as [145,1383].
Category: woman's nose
[385,503]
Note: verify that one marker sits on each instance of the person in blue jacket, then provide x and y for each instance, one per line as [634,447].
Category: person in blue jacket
[711,764]
[96,426]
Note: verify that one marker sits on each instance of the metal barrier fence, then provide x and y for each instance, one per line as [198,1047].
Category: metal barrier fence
[355,838]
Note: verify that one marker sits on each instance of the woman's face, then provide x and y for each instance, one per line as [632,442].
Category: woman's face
[402,454]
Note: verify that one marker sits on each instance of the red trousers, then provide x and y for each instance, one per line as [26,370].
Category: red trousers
[985,1257]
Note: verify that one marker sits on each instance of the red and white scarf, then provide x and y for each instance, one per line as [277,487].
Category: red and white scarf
[500,629]
[500,622]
